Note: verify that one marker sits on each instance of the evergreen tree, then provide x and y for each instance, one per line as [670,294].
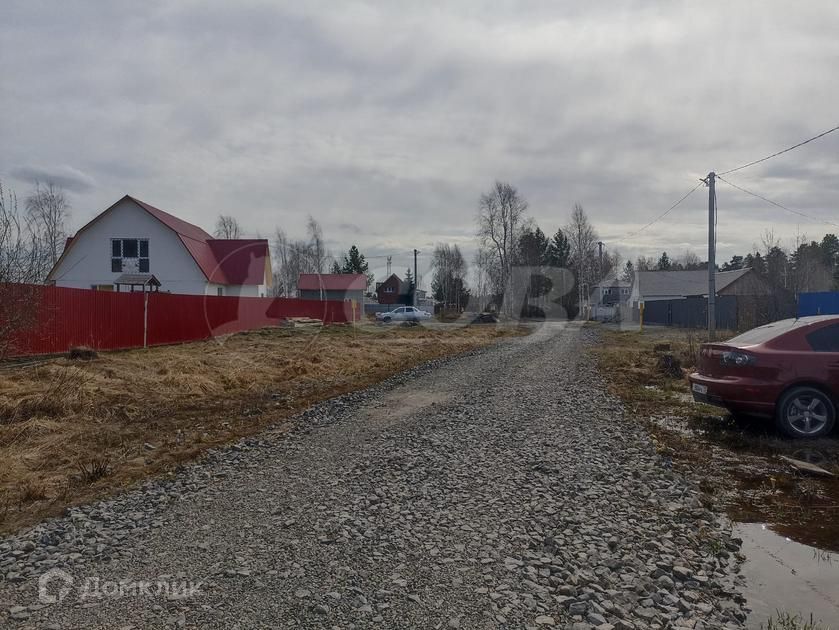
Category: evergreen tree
[336,268]
[830,251]
[354,262]
[533,247]
[559,251]
[664,263]
[777,267]
[755,262]
[735,263]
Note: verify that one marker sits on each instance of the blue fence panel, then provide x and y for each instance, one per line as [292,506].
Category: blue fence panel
[821,303]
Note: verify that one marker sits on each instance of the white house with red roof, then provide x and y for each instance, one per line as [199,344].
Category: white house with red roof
[132,238]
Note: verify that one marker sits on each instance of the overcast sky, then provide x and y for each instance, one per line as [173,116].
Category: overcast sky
[387,120]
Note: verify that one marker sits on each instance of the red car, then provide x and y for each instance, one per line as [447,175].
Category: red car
[787,370]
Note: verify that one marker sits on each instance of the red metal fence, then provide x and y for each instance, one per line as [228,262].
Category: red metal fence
[46,320]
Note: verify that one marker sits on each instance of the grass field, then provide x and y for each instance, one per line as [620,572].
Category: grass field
[71,431]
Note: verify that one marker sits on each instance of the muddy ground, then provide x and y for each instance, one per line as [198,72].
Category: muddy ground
[740,457]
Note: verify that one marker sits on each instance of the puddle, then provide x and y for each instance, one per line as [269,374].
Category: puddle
[785,575]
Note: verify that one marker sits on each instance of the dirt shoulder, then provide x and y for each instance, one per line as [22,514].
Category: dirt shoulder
[739,458]
[73,431]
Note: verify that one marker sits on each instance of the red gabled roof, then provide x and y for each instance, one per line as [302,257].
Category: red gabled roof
[240,261]
[174,223]
[222,261]
[332,282]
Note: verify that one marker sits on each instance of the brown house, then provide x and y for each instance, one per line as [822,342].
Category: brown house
[394,290]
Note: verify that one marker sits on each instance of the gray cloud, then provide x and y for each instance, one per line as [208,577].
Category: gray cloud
[387,120]
[64,176]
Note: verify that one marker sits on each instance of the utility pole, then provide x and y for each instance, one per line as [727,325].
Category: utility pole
[414,293]
[600,246]
[389,259]
[600,276]
[712,249]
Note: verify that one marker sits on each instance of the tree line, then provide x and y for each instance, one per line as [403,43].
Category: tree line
[509,241]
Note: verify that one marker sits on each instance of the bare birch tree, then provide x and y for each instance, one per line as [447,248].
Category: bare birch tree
[449,280]
[583,241]
[285,284]
[47,211]
[14,249]
[22,262]
[486,281]
[227,227]
[500,215]
[293,257]
[317,250]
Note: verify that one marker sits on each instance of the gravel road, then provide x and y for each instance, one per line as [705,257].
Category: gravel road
[502,488]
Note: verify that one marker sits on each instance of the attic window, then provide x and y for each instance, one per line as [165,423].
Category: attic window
[130,255]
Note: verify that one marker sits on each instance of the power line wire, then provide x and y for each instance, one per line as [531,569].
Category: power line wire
[769,157]
[659,217]
[779,205]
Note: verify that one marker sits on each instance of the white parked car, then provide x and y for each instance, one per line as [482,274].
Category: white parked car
[403,314]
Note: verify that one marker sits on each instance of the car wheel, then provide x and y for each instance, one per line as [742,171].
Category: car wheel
[805,412]
[386,320]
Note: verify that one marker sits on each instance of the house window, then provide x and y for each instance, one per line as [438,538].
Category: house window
[130,255]
[388,289]
[220,291]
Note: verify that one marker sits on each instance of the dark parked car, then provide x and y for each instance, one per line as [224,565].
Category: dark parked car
[787,370]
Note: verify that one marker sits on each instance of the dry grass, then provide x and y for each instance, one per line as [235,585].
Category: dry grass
[71,431]
[736,456]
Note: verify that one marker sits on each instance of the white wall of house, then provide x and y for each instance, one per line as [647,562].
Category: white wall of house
[88,262]
[246,290]
[635,298]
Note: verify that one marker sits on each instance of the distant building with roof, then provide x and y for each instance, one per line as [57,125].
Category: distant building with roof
[394,290]
[132,238]
[650,286]
[610,291]
[332,286]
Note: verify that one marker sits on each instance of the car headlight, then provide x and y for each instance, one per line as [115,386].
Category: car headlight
[737,358]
